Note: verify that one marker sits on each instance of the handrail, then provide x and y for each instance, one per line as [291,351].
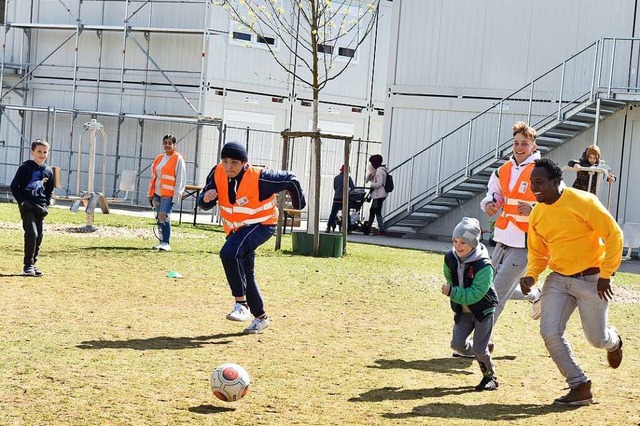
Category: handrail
[506,98]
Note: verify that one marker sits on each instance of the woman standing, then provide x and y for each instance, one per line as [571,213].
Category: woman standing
[168,180]
[377,175]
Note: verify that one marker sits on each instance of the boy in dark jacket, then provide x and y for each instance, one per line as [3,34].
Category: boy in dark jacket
[585,180]
[32,187]
[245,195]
[469,275]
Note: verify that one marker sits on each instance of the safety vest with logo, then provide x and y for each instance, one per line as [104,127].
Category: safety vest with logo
[167,176]
[521,192]
[248,209]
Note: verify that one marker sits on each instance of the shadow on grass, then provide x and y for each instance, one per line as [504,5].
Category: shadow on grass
[160,342]
[115,248]
[210,409]
[17,275]
[438,365]
[399,394]
[491,412]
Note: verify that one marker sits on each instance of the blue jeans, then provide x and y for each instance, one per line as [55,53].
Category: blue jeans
[164,205]
[238,256]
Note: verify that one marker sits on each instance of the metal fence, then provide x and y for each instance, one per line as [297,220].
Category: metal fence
[134,142]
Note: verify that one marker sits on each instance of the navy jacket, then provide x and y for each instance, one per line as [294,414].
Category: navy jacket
[33,183]
[270,182]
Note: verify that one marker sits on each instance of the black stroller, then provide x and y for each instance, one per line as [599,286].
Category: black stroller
[357,198]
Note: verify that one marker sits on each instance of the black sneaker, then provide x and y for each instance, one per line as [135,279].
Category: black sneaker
[38,272]
[488,384]
[29,271]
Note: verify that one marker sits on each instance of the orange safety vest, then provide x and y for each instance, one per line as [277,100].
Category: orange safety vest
[248,209]
[167,176]
[521,192]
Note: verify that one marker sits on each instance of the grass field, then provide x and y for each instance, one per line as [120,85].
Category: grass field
[104,338]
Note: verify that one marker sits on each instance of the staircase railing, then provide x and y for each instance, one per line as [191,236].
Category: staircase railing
[602,67]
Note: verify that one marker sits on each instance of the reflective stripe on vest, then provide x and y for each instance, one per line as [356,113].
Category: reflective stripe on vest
[521,192]
[167,176]
[248,209]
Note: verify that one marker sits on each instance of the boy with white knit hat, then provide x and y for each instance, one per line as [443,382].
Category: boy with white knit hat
[469,275]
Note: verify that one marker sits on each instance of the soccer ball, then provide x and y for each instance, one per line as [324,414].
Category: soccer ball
[230,382]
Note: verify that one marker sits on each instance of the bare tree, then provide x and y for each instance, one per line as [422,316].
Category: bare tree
[322,37]
[315,32]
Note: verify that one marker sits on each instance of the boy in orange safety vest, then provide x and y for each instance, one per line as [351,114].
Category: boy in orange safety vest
[509,195]
[246,198]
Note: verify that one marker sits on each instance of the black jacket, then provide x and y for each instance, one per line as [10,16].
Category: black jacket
[33,184]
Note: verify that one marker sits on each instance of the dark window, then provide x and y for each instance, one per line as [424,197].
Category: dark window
[267,40]
[241,36]
[345,51]
[325,48]
[2,6]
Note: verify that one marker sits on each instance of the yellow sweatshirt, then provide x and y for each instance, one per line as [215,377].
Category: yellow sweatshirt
[568,236]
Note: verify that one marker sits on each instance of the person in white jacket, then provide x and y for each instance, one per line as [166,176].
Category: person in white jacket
[377,175]
[510,196]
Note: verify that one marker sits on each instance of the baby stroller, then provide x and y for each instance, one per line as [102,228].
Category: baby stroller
[357,198]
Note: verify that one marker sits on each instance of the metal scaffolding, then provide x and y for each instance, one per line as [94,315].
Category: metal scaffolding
[24,76]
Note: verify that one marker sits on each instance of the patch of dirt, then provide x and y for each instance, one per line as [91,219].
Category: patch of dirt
[624,295]
[101,231]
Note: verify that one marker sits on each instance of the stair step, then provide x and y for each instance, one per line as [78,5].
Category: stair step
[432,208]
[559,133]
[424,216]
[573,125]
[443,201]
[470,186]
[455,193]
[548,140]
[585,117]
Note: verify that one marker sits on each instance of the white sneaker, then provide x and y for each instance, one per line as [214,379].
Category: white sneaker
[157,246]
[239,313]
[536,306]
[164,247]
[257,326]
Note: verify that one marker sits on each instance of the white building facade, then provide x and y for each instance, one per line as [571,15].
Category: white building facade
[144,69]
[452,60]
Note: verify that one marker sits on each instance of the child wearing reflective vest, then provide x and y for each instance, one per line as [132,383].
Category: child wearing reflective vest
[469,276]
[246,199]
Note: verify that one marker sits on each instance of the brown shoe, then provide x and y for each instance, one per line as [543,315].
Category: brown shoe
[614,357]
[579,395]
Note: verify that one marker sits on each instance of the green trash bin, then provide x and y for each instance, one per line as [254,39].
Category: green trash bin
[331,245]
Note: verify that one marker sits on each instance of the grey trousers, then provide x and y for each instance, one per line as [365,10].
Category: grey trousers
[461,343]
[560,297]
[510,264]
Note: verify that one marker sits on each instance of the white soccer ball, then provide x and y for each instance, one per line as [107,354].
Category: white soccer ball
[230,382]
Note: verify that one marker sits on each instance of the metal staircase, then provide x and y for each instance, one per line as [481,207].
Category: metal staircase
[560,104]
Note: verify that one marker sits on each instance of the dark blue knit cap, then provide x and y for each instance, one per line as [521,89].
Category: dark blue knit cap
[235,151]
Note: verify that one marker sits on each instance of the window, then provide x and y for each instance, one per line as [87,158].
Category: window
[325,48]
[266,40]
[242,36]
[237,35]
[2,7]
[346,52]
